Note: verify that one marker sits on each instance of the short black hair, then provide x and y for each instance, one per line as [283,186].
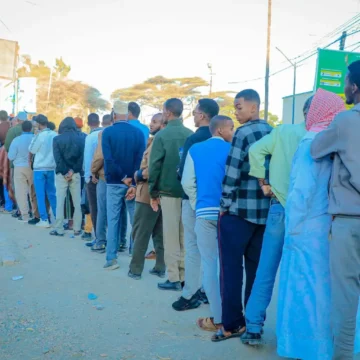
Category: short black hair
[209,107]
[106,119]
[354,73]
[26,126]
[249,95]
[41,119]
[307,104]
[175,106]
[3,115]
[93,119]
[134,108]
[218,121]
[51,126]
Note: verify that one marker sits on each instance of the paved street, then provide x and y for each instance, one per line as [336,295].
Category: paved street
[47,314]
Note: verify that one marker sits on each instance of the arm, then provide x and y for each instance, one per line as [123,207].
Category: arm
[36,144]
[325,142]
[9,138]
[187,146]
[188,181]
[155,165]
[12,151]
[140,149]
[258,152]
[98,161]
[88,154]
[234,163]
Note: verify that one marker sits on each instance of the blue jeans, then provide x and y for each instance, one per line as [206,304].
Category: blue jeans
[115,195]
[101,220]
[44,183]
[271,253]
[8,202]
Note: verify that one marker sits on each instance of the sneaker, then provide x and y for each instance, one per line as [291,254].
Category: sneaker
[134,276]
[111,265]
[43,224]
[100,249]
[251,339]
[183,304]
[90,244]
[122,248]
[15,214]
[201,295]
[77,233]
[86,236]
[34,221]
[160,274]
[168,285]
[151,255]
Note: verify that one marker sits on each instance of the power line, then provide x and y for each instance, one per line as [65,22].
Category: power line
[6,27]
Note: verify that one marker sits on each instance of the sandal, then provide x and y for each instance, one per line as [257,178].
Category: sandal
[220,336]
[207,324]
[55,233]
[151,255]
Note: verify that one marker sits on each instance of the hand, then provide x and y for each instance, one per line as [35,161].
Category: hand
[127,181]
[267,190]
[154,203]
[131,193]
[94,180]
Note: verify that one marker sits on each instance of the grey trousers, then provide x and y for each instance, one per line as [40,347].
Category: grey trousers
[192,254]
[345,284]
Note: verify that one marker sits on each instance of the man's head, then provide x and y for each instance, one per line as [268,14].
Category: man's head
[79,122]
[222,126]
[134,110]
[21,116]
[42,121]
[51,126]
[26,126]
[156,124]
[93,121]
[307,105]
[247,106]
[4,116]
[173,109]
[352,84]
[106,121]
[205,110]
[120,110]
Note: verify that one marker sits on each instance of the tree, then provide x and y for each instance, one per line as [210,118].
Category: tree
[273,120]
[67,97]
[156,90]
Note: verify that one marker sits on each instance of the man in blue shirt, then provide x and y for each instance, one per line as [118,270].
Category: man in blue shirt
[133,117]
[123,147]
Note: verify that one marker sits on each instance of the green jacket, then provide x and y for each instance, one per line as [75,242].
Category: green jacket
[11,135]
[165,158]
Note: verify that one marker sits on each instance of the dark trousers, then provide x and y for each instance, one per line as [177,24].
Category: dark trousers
[239,240]
[92,199]
[147,223]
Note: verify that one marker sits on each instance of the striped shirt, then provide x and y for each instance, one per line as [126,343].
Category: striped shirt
[241,193]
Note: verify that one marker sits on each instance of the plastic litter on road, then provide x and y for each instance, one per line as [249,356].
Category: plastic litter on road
[15,278]
[92,296]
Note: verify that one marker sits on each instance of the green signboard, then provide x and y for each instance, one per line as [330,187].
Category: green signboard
[332,68]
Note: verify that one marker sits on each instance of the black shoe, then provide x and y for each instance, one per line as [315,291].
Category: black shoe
[33,221]
[168,285]
[201,295]
[122,248]
[100,249]
[160,274]
[90,244]
[134,276]
[86,236]
[251,339]
[16,215]
[182,304]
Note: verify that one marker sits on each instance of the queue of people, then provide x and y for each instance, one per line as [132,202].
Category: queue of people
[214,203]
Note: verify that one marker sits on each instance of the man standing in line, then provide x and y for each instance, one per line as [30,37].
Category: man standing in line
[243,214]
[165,188]
[4,126]
[123,147]
[44,170]
[202,178]
[281,144]
[134,112]
[205,110]
[91,142]
[68,148]
[147,222]
[341,140]
[23,176]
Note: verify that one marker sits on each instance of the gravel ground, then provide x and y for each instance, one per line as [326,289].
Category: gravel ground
[47,314]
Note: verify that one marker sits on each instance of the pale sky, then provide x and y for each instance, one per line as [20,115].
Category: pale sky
[112,44]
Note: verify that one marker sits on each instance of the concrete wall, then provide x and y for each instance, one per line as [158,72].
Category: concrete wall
[299,104]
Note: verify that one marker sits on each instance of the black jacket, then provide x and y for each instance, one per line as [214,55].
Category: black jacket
[68,148]
[202,134]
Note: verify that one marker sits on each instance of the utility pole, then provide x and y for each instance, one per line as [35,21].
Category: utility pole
[342,40]
[211,78]
[293,64]
[267,73]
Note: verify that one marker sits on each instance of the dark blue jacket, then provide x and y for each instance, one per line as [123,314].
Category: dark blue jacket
[123,147]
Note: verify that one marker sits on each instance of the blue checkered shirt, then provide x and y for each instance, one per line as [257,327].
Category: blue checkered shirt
[241,193]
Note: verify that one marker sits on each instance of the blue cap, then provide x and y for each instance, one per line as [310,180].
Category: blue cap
[22,115]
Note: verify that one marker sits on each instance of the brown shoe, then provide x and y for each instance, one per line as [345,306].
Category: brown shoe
[151,255]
